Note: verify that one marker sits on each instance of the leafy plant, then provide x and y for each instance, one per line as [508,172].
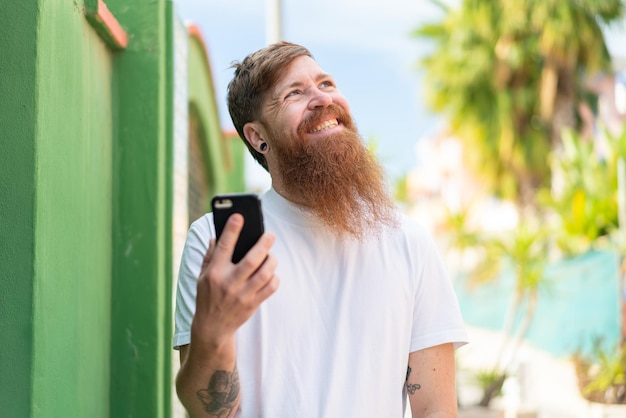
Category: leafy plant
[585,205]
[490,381]
[525,250]
[602,375]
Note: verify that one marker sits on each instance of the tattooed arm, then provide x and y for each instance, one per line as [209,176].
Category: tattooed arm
[208,383]
[430,382]
[227,296]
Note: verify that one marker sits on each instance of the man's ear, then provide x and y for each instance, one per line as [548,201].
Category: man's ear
[254,134]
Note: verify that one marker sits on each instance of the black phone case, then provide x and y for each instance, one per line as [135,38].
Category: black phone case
[247,205]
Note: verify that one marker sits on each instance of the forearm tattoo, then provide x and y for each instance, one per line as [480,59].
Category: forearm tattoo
[220,397]
[411,387]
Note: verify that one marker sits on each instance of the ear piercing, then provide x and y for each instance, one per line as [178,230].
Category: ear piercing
[263,146]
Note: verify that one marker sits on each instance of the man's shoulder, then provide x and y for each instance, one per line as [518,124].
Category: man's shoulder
[412,228]
[203,226]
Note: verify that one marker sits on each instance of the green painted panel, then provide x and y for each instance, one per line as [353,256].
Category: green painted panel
[202,101]
[142,267]
[236,181]
[73,216]
[18,43]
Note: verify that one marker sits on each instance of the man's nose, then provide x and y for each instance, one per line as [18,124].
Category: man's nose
[320,98]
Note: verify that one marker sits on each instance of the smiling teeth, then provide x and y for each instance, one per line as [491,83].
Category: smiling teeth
[328,124]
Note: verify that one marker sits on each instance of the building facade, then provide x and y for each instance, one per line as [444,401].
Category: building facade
[98,102]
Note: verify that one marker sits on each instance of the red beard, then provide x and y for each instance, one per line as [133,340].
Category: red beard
[336,177]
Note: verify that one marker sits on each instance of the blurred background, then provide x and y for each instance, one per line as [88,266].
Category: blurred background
[501,125]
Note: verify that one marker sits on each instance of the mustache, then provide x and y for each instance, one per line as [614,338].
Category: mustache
[320,114]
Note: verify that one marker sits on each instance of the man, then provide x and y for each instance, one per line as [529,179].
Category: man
[364,313]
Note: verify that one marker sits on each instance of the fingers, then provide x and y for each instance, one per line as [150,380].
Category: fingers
[253,273]
[268,289]
[257,254]
[209,254]
[227,241]
[260,285]
[228,294]
[226,244]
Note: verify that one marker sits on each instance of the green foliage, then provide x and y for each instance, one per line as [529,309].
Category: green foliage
[508,75]
[401,190]
[494,74]
[586,204]
[462,236]
[524,247]
[486,378]
[585,210]
[602,375]
[490,382]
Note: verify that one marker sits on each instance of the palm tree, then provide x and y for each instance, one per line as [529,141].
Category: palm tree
[508,75]
[571,43]
[524,250]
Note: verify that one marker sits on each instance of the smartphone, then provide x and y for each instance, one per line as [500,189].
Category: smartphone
[249,206]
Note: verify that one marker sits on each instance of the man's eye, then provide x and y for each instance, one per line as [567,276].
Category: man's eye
[292,93]
[326,84]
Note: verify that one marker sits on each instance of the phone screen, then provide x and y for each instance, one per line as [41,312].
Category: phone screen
[249,206]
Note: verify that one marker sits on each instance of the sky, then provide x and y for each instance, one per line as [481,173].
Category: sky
[365,44]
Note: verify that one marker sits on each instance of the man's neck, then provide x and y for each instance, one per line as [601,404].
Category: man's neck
[278,187]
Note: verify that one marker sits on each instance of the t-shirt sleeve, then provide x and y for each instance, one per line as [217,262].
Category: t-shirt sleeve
[195,248]
[436,316]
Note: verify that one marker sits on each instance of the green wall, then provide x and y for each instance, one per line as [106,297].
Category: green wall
[17,201]
[72,216]
[236,177]
[56,213]
[224,152]
[86,196]
[202,102]
[142,215]
[85,212]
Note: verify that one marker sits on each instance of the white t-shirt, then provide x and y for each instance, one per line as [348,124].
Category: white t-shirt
[335,338]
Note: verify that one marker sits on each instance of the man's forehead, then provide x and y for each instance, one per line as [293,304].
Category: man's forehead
[299,68]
